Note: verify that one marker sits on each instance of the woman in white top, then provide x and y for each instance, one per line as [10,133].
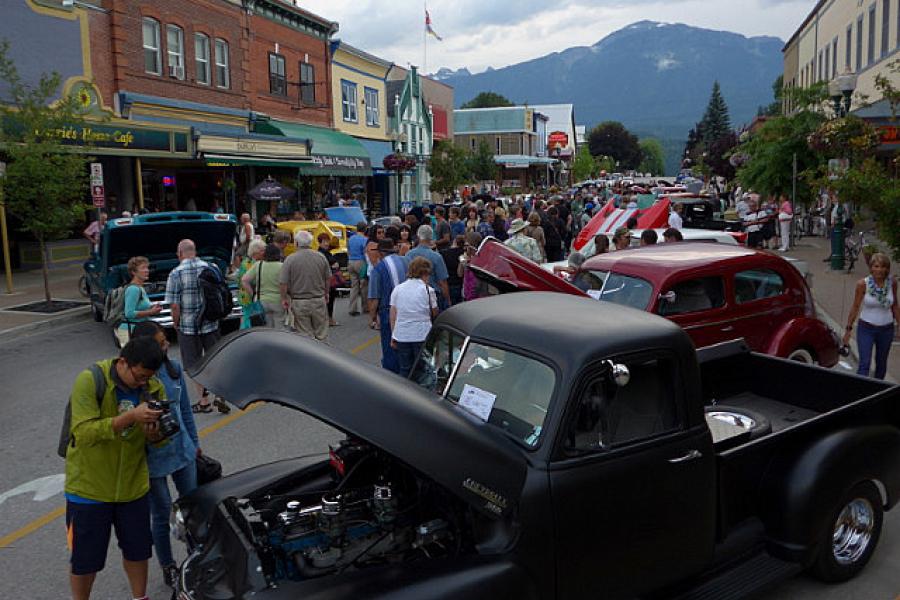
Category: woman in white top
[876,306]
[413,307]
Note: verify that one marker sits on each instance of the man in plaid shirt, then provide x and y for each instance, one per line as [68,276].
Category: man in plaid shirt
[195,336]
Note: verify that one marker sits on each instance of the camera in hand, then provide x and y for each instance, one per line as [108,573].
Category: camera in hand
[168,424]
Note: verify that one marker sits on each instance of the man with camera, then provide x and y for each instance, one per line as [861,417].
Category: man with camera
[107,481]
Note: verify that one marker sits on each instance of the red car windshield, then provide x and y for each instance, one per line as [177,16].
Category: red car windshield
[618,289]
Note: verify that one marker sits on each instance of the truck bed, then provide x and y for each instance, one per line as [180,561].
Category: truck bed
[800,403]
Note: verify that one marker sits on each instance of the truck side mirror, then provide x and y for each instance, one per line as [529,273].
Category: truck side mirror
[619,373]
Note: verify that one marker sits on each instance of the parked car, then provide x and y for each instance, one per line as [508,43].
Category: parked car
[156,236]
[529,457]
[717,292]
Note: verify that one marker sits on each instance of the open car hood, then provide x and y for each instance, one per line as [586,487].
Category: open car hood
[158,240]
[428,433]
[509,271]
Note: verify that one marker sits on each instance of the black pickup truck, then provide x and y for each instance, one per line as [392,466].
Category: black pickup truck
[529,457]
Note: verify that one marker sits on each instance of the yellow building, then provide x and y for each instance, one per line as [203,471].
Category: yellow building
[360,109]
[845,36]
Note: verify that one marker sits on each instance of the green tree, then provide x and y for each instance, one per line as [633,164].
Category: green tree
[46,182]
[487,100]
[448,167]
[482,165]
[611,138]
[776,108]
[584,166]
[715,122]
[653,160]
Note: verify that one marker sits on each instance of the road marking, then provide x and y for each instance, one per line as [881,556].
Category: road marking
[9,539]
[43,488]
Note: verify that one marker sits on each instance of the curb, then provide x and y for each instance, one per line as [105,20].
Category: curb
[76,314]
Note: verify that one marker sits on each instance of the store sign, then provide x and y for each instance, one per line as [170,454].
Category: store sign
[105,136]
[558,137]
[515,166]
[251,147]
[344,162]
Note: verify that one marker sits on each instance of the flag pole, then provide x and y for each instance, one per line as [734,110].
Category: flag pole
[425,40]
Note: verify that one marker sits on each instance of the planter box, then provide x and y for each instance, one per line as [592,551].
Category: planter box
[63,253]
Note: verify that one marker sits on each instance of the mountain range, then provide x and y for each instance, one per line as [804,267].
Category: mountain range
[655,78]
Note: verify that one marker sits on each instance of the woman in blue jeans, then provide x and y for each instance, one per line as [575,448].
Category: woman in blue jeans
[177,458]
[875,305]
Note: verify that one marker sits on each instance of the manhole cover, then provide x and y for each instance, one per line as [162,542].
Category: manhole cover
[42,307]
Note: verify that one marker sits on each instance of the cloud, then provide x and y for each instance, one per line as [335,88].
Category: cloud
[482,33]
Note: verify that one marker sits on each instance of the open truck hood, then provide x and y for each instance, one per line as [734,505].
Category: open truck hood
[509,271]
[430,434]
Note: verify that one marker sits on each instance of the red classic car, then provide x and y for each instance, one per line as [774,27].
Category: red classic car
[714,291]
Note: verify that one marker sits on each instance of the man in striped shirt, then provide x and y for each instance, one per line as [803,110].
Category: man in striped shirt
[383,278]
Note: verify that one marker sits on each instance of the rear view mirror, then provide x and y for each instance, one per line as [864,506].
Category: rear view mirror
[619,373]
[668,297]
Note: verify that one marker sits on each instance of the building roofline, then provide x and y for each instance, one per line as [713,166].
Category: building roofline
[342,45]
[518,107]
[803,25]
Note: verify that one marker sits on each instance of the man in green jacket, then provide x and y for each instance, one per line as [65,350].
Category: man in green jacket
[107,480]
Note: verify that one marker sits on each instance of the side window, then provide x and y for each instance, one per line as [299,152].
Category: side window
[438,356]
[609,416]
[694,295]
[756,285]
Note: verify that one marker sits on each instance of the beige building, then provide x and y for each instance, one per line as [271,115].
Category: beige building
[839,36]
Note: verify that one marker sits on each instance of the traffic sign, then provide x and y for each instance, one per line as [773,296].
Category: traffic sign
[99,201]
[96,174]
[97,190]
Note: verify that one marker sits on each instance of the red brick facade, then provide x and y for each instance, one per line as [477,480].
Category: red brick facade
[295,47]
[117,57]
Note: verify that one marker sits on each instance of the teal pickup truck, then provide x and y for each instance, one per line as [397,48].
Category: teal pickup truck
[156,236]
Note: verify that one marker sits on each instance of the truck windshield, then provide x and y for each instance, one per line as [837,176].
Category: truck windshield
[618,289]
[504,388]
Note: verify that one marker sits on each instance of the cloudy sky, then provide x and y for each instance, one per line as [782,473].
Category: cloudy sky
[482,33]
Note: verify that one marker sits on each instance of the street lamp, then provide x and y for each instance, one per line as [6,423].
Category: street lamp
[840,89]
[557,152]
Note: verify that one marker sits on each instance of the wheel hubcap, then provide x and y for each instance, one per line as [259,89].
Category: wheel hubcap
[853,531]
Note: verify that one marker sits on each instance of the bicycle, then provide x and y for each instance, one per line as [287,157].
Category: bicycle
[853,245]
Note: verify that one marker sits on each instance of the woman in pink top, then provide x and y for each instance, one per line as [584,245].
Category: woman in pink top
[785,216]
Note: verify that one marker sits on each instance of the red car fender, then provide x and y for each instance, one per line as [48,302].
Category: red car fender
[806,332]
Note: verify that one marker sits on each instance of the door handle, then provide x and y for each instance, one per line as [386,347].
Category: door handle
[728,328]
[691,455]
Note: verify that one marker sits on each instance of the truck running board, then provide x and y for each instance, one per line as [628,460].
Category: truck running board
[749,577]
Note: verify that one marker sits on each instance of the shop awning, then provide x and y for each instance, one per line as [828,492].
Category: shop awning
[377,151]
[227,160]
[333,153]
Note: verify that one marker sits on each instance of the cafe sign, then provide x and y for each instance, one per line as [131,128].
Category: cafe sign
[251,147]
[113,137]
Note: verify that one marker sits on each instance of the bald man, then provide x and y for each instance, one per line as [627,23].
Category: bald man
[195,336]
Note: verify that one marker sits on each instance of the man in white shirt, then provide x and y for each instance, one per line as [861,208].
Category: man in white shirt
[675,221]
[753,224]
[742,207]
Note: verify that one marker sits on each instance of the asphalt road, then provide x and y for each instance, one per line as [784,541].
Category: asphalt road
[36,374]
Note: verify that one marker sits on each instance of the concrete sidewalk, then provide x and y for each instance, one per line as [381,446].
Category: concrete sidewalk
[834,291]
[28,286]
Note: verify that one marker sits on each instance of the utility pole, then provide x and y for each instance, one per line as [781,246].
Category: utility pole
[7,268]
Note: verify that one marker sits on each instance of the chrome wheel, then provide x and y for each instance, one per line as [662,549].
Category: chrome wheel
[802,355]
[853,530]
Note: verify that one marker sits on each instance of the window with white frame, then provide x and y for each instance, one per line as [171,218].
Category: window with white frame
[223,74]
[201,58]
[372,116]
[277,78]
[175,51]
[152,57]
[307,84]
[348,101]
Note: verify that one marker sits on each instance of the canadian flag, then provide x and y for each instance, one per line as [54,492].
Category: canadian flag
[429,29]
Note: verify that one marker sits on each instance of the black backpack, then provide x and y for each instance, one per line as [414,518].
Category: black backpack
[65,434]
[217,300]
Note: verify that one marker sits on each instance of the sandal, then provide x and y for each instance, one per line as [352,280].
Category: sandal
[198,407]
[221,406]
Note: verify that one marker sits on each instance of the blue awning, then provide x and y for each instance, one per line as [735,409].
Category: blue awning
[377,151]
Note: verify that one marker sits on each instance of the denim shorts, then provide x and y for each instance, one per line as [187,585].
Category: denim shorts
[88,527]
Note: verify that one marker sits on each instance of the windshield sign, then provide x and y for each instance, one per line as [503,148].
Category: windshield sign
[504,388]
[618,289]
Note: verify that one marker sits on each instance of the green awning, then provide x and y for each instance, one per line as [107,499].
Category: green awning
[333,153]
[225,160]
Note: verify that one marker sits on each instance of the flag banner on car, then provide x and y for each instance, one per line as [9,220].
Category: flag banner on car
[429,29]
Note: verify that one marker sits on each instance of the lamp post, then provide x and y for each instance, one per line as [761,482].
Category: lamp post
[557,152]
[840,89]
